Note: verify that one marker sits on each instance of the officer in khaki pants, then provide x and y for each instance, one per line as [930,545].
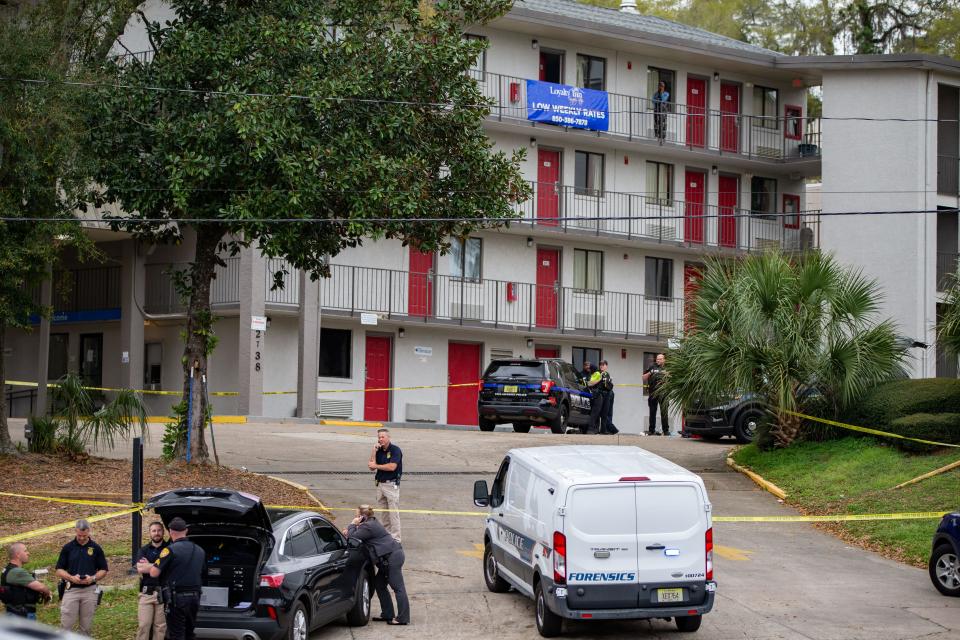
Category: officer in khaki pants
[150,609]
[387,461]
[80,565]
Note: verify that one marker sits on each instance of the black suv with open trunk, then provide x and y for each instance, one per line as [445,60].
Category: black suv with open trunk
[270,574]
[533,392]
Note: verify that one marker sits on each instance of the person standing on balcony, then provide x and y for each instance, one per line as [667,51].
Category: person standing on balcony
[661,104]
[654,377]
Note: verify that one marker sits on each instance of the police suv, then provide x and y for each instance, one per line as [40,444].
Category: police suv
[601,533]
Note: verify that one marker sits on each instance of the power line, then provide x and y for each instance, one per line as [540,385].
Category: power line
[759,216]
[446,106]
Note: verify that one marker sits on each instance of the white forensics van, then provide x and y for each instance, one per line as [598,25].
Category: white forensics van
[599,532]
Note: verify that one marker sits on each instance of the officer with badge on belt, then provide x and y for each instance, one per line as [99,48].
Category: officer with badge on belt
[80,565]
[180,570]
[150,606]
[387,461]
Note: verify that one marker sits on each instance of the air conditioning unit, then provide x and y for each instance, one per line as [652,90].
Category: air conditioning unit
[765,244]
[594,322]
[501,354]
[768,152]
[661,328]
[420,412]
[335,409]
[665,231]
[470,311]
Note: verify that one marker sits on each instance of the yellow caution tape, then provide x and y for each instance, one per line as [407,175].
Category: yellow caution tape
[148,392]
[92,503]
[874,432]
[64,526]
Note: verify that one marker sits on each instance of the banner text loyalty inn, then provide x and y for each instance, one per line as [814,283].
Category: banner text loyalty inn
[567,106]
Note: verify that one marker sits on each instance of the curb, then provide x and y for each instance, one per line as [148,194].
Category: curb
[763,483]
[296,485]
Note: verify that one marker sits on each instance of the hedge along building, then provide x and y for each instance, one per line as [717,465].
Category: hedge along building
[624,209]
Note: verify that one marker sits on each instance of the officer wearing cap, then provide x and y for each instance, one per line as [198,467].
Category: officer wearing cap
[180,569]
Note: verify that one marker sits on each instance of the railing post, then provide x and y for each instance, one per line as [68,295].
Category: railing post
[353,288]
[390,293]
[496,302]
[532,290]
[463,286]
[629,215]
[598,212]
[596,311]
[630,118]
[626,327]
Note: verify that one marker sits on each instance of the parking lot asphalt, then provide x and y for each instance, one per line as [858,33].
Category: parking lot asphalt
[775,580]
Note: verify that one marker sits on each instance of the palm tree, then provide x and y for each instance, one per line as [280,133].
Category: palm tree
[778,326]
[948,325]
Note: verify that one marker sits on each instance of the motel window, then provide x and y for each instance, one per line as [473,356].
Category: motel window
[658,277]
[587,270]
[765,106]
[465,258]
[588,173]
[591,72]
[763,197]
[335,353]
[660,183]
[479,67]
[655,76]
[586,354]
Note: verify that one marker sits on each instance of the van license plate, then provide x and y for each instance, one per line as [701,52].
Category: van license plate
[669,595]
[510,388]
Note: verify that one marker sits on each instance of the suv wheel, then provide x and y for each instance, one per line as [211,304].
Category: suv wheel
[549,624]
[298,627]
[746,428]
[486,425]
[945,570]
[490,574]
[688,623]
[559,425]
[359,614]
[521,427]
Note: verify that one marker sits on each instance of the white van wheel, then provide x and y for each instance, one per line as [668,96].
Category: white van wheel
[549,624]
[494,582]
[688,623]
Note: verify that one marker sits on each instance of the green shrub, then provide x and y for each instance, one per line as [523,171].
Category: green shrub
[44,439]
[936,427]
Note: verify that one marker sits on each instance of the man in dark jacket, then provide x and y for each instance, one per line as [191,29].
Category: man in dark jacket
[389,558]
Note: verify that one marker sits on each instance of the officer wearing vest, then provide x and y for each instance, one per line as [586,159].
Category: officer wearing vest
[606,390]
[180,570]
[80,565]
[19,589]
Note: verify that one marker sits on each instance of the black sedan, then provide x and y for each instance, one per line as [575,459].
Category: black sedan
[270,574]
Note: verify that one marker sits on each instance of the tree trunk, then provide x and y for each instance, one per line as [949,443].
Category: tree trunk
[786,430]
[6,444]
[197,346]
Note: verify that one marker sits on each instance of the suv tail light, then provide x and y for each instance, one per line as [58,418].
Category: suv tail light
[272,580]
[709,553]
[479,385]
[559,558]
[546,385]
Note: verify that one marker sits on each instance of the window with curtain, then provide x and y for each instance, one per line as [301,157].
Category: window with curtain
[465,257]
[587,270]
[658,277]
[588,173]
[591,72]
[660,182]
[765,104]
[479,67]
[763,197]
[655,76]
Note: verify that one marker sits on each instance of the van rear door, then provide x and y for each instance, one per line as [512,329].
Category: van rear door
[672,522]
[601,530]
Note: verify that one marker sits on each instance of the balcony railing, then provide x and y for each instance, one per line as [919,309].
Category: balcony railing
[633,117]
[946,269]
[161,296]
[290,293]
[84,289]
[948,175]
[498,303]
[634,215]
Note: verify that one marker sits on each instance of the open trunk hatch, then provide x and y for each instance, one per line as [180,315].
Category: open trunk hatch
[207,506]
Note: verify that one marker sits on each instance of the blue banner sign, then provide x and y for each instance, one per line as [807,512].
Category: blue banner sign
[567,106]
[95,315]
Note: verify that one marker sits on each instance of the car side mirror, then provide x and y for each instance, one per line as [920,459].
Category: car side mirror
[354,543]
[481,495]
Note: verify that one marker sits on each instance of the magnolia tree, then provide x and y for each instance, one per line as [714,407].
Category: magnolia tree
[357,118]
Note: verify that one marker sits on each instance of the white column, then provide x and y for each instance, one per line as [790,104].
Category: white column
[251,343]
[308,352]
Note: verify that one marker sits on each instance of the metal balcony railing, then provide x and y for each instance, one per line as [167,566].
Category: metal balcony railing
[948,175]
[290,293]
[633,117]
[161,296]
[947,264]
[634,215]
[84,289]
[498,303]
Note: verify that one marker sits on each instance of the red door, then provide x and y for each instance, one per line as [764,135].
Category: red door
[693,209]
[546,352]
[463,368]
[548,285]
[420,283]
[729,198]
[548,177]
[376,404]
[692,273]
[696,112]
[729,117]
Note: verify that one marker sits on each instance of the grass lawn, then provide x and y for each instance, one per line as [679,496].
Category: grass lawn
[857,476]
[116,617]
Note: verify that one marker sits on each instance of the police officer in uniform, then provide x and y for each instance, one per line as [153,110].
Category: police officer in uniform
[80,565]
[180,569]
[150,615]
[596,401]
[387,461]
[606,390]
[20,589]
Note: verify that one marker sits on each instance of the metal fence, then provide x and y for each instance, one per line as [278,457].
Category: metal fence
[498,303]
[84,289]
[634,215]
[289,294]
[948,175]
[633,117]
[161,295]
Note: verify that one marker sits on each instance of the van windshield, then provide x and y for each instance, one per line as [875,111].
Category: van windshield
[515,370]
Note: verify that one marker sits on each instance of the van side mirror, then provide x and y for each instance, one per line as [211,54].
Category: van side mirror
[481,495]
[354,543]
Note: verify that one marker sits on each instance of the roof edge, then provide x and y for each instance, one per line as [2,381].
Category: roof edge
[919,61]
